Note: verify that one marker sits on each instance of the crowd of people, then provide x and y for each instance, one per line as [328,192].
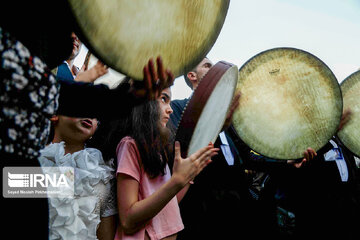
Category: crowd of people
[131,180]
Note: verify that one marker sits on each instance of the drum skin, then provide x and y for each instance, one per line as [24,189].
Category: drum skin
[290,100]
[205,114]
[350,133]
[126,34]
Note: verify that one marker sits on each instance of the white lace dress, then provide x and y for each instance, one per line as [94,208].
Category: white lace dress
[94,193]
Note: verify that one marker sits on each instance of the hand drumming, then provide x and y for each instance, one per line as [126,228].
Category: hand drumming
[186,169]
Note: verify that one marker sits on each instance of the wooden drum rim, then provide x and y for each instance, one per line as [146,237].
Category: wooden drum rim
[195,105]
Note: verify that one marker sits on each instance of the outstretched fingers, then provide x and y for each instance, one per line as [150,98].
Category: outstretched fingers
[177,150]
[206,161]
[161,73]
[151,80]
[156,79]
[147,81]
[198,153]
[203,159]
[166,78]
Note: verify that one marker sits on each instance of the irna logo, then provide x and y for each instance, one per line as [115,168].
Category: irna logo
[37,180]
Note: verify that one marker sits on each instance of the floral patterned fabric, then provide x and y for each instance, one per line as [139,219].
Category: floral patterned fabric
[28,98]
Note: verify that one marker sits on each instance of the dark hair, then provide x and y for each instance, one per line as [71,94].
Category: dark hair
[155,145]
[152,141]
[187,80]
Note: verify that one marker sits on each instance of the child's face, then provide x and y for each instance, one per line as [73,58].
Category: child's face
[80,129]
[165,108]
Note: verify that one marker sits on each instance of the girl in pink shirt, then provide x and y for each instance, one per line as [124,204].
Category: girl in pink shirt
[147,192]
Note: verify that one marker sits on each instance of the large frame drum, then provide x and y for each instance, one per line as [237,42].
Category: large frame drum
[290,100]
[205,114]
[350,133]
[112,78]
[125,34]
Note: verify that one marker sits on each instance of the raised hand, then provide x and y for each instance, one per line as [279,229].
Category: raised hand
[90,75]
[154,80]
[186,169]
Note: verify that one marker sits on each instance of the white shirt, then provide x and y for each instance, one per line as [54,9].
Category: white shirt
[336,155]
[225,148]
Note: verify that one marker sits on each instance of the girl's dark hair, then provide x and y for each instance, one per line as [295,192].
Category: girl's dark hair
[155,145]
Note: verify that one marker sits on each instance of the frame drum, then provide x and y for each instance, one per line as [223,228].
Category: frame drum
[126,34]
[112,79]
[290,100]
[205,113]
[350,134]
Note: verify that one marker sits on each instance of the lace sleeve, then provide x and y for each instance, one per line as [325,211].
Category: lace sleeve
[109,204]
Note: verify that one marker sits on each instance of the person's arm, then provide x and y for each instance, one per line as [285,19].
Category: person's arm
[134,214]
[107,228]
[181,194]
[90,75]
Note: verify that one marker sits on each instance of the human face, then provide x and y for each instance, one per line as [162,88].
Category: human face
[76,46]
[75,129]
[165,108]
[202,68]
[199,72]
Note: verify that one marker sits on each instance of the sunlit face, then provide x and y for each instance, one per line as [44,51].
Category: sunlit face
[165,108]
[76,46]
[78,129]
